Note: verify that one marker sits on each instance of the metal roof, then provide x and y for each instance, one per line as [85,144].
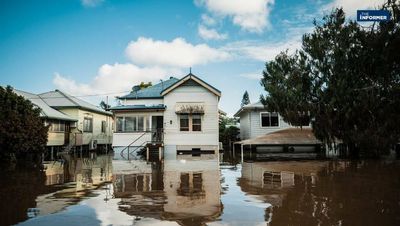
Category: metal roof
[299,136]
[138,107]
[59,99]
[46,110]
[152,92]
[257,105]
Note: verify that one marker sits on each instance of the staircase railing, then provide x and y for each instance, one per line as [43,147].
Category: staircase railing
[156,136]
[140,146]
[126,147]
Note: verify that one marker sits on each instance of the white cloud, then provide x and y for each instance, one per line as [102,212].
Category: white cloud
[177,53]
[113,79]
[91,3]
[262,51]
[253,75]
[350,7]
[210,33]
[266,51]
[251,15]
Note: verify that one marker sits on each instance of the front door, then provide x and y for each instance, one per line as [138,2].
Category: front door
[160,122]
[157,128]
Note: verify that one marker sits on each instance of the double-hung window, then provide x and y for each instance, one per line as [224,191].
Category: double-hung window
[88,124]
[184,122]
[269,119]
[196,122]
[190,122]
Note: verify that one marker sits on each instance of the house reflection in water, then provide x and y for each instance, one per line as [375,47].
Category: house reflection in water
[78,176]
[271,181]
[185,189]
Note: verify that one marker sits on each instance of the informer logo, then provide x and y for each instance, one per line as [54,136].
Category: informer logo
[373,15]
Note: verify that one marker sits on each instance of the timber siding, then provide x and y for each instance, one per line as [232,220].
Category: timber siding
[191,94]
[250,122]
[255,125]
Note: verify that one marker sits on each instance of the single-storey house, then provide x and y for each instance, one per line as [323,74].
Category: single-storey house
[266,134]
[180,114]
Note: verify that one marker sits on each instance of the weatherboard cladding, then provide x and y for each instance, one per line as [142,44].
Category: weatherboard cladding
[152,92]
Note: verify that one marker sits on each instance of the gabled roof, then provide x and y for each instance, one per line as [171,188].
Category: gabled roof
[254,106]
[59,99]
[193,77]
[46,110]
[152,92]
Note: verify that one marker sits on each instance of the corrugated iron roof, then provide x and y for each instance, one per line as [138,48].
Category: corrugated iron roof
[253,106]
[285,136]
[59,99]
[46,110]
[152,92]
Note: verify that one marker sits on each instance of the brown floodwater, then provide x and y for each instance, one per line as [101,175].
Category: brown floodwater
[206,190]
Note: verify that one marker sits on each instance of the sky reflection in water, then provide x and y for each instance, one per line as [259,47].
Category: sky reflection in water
[196,191]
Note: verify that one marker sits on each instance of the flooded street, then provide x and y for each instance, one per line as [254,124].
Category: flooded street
[206,190]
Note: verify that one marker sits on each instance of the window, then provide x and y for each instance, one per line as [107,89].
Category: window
[140,123]
[88,124]
[269,119]
[120,124]
[190,122]
[131,124]
[56,126]
[103,126]
[196,122]
[184,122]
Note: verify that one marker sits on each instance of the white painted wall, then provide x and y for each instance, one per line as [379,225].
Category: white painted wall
[122,139]
[250,125]
[191,94]
[125,139]
[79,114]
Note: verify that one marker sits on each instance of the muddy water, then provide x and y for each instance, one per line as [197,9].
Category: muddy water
[97,190]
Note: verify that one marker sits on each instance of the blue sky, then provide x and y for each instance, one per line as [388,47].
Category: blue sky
[91,47]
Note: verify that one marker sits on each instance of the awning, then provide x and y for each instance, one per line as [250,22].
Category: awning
[190,108]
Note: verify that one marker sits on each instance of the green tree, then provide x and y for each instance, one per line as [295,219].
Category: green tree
[346,78]
[143,85]
[245,99]
[23,135]
[227,130]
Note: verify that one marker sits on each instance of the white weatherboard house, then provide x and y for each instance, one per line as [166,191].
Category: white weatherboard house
[256,120]
[178,115]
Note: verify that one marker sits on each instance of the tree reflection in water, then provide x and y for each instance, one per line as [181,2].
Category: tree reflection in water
[338,193]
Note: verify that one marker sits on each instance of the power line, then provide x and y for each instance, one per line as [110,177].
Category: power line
[88,95]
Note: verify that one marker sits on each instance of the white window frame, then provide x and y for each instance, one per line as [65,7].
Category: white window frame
[267,112]
[136,126]
[190,119]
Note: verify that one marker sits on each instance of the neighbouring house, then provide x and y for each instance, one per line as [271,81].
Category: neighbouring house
[178,115]
[58,135]
[93,126]
[256,120]
[266,134]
